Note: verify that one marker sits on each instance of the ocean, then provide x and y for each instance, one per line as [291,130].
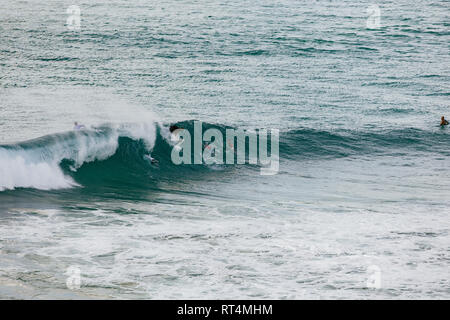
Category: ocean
[358,208]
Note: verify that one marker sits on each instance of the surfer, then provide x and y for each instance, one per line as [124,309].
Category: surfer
[443,121]
[150,158]
[77,126]
[174,128]
[174,133]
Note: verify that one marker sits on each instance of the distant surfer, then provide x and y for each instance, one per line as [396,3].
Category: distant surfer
[77,126]
[443,121]
[174,128]
[150,158]
[174,133]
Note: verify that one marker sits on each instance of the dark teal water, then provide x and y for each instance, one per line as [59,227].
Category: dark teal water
[363,183]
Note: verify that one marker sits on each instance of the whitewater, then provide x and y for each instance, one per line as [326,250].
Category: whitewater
[37,163]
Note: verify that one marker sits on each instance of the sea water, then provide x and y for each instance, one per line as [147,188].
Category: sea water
[359,207]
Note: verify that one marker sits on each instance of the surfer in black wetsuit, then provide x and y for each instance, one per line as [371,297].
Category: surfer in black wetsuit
[444,122]
[174,128]
[152,160]
[174,132]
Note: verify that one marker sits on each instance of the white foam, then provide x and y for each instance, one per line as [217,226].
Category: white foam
[38,165]
[16,172]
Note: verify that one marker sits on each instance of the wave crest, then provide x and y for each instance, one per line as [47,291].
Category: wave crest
[115,155]
[37,163]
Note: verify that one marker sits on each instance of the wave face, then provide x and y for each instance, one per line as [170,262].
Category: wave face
[310,143]
[51,162]
[117,154]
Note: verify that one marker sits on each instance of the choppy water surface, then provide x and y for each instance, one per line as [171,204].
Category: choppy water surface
[359,208]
